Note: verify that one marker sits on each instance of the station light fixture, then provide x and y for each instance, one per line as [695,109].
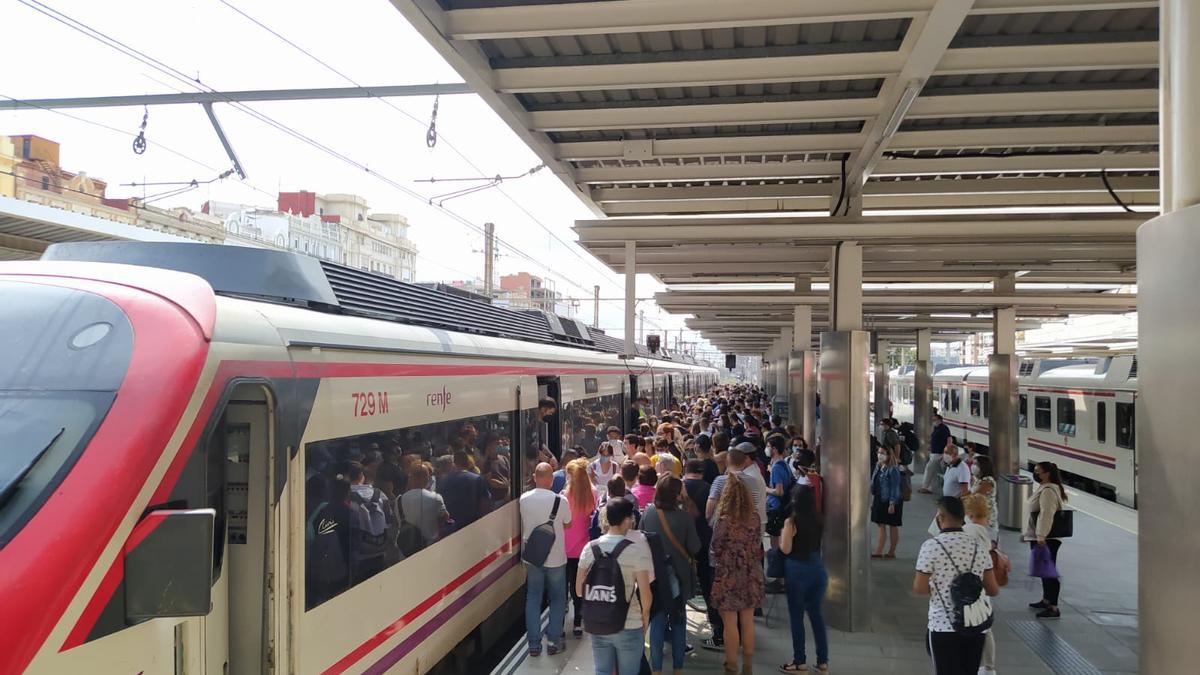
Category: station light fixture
[906,100]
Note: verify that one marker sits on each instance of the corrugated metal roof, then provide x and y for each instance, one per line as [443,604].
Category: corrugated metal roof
[1015,121]
[729,93]
[1067,80]
[697,44]
[1089,26]
[791,128]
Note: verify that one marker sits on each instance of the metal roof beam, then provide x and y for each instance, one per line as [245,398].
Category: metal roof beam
[1035,103]
[856,65]
[650,117]
[701,172]
[933,139]
[980,228]
[599,18]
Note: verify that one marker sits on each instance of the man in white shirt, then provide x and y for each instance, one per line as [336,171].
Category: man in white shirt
[957,480]
[618,446]
[950,553]
[551,576]
[738,459]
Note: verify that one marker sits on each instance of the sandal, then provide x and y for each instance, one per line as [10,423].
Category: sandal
[794,667]
[822,667]
[888,556]
[877,555]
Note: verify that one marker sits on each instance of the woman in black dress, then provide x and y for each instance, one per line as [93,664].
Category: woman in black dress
[887,501]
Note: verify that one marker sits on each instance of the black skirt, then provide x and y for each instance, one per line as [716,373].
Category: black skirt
[880,515]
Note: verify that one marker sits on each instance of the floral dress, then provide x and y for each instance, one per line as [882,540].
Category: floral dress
[737,555]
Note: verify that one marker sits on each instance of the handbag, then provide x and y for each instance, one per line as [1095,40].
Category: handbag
[775,564]
[1062,526]
[1001,566]
[689,592]
[1041,564]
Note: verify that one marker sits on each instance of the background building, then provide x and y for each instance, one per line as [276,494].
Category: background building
[528,291]
[40,179]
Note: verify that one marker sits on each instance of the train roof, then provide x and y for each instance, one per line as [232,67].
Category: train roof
[291,279]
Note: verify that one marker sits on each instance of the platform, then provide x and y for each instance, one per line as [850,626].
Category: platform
[1096,634]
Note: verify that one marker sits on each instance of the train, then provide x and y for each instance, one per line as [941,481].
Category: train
[172,417]
[1078,413]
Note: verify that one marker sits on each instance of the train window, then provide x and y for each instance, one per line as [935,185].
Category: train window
[1066,416]
[588,420]
[1041,412]
[986,404]
[1126,426]
[1023,411]
[955,399]
[975,410]
[1101,422]
[355,482]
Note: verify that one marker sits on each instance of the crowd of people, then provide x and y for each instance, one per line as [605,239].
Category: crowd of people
[645,522]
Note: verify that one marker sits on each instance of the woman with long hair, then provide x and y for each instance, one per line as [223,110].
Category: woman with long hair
[738,583]
[582,498]
[887,505]
[1047,498]
[984,483]
[806,578]
[677,530]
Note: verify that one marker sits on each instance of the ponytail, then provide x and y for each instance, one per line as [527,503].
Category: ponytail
[1054,476]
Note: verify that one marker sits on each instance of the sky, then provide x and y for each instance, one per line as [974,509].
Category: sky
[366,40]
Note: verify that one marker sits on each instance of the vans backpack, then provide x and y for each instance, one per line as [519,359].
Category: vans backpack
[605,602]
[541,539]
[971,609]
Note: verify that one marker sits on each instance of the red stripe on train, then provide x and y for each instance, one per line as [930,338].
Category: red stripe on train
[425,605]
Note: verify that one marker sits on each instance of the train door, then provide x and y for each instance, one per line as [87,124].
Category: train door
[670,391]
[551,431]
[238,633]
[631,396]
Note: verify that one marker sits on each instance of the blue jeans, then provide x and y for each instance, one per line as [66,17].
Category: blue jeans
[620,652]
[552,581]
[659,625]
[806,583]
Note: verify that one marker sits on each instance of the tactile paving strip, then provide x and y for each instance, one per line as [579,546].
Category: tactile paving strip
[1056,652]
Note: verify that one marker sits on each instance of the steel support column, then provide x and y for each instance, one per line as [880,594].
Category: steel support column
[845,360]
[923,402]
[1169,320]
[881,382]
[782,375]
[630,296]
[1003,441]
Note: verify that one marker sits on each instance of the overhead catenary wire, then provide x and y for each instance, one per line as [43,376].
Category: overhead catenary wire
[431,132]
[178,75]
[1113,193]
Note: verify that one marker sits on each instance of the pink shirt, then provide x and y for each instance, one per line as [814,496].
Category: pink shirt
[644,494]
[575,534]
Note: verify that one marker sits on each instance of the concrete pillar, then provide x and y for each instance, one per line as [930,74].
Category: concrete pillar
[1169,320]
[881,383]
[630,296]
[923,392]
[845,448]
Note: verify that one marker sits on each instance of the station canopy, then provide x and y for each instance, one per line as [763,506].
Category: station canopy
[736,142]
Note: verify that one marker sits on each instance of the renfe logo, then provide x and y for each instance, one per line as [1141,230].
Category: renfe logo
[600,594]
[438,399]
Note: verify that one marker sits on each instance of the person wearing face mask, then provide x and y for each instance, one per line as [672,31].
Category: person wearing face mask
[1047,498]
[887,502]
[957,479]
[601,469]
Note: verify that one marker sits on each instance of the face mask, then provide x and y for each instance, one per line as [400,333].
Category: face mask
[975,470]
[882,457]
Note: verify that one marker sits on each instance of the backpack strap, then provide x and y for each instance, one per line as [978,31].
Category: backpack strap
[554,509]
[621,546]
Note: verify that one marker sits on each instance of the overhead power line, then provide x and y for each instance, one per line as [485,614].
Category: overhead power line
[574,250]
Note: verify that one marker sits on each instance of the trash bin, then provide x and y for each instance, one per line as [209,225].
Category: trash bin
[1014,490]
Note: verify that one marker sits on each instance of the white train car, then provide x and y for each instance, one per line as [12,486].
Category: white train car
[177,420]
[1080,415]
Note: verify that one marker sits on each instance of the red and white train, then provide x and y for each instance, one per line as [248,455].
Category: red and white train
[171,417]
[1079,414]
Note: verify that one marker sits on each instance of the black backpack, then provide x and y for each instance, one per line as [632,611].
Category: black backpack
[327,557]
[409,539]
[605,602]
[972,611]
[541,539]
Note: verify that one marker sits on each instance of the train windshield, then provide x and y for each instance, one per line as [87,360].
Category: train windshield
[63,355]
